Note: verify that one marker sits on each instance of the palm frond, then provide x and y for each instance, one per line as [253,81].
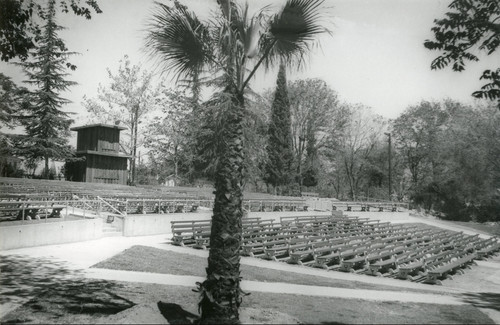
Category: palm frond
[180,39]
[294,29]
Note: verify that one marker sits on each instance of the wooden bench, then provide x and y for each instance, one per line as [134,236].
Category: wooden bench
[416,263]
[184,232]
[30,212]
[199,230]
[446,270]
[276,249]
[392,265]
[488,248]
[259,244]
[334,259]
[318,248]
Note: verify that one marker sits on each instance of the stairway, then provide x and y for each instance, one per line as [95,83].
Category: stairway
[111,229]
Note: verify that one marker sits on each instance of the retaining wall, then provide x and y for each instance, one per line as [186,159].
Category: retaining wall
[37,234]
[157,224]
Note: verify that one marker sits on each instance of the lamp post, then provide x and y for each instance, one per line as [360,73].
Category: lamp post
[390,176]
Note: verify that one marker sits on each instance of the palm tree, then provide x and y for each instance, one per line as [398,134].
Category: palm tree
[230,48]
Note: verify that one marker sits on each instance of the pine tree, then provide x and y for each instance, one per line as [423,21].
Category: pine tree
[46,125]
[279,170]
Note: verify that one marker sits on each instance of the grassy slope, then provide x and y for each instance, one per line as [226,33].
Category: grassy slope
[154,260]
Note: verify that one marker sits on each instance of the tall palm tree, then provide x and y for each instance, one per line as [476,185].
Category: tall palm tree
[230,48]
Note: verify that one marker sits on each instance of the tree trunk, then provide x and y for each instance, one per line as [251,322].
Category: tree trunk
[46,169]
[134,152]
[220,292]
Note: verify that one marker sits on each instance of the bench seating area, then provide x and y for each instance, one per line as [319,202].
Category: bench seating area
[352,244]
[368,206]
[34,210]
[196,233]
[138,199]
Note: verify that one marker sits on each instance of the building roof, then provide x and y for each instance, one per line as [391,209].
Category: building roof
[76,128]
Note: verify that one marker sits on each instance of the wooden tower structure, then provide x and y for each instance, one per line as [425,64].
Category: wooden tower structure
[98,147]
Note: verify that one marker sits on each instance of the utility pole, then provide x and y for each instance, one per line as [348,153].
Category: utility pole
[390,176]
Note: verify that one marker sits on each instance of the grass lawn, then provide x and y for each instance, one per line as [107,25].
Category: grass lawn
[53,294]
[154,260]
[50,308]
[490,229]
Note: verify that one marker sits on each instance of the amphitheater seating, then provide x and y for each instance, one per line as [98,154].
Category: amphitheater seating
[446,270]
[487,247]
[18,210]
[353,244]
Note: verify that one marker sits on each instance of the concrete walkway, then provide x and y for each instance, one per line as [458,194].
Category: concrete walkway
[277,287]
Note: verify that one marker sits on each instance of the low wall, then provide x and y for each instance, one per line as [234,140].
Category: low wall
[319,204]
[394,217]
[157,224]
[37,234]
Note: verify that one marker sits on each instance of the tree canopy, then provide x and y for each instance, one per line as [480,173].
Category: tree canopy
[21,23]
[469,27]
[279,170]
[46,124]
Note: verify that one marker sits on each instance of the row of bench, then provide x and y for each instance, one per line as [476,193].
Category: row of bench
[351,244]
[30,212]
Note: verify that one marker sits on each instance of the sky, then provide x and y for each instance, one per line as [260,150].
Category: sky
[374,55]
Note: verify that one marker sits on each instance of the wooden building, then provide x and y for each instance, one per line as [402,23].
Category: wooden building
[98,147]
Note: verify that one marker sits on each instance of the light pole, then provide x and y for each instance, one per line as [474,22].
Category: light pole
[390,178]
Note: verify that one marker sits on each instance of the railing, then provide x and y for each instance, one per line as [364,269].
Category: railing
[140,206]
[366,205]
[102,201]
[121,207]
[28,209]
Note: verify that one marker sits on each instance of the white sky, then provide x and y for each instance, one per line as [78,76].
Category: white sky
[375,56]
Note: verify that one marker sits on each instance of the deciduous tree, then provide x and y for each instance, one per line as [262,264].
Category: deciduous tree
[363,131]
[168,135]
[22,21]
[128,99]
[470,27]
[314,111]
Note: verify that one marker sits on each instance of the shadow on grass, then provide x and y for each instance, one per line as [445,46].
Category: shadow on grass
[175,314]
[44,286]
[483,300]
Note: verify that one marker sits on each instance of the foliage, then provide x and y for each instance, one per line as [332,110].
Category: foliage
[22,21]
[128,99]
[471,26]
[168,137]
[314,110]
[415,134]
[279,172]
[12,100]
[454,151]
[361,135]
[45,124]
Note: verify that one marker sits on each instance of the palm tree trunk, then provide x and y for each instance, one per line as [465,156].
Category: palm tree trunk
[220,292]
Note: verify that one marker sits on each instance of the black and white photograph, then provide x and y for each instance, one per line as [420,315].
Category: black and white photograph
[249,162]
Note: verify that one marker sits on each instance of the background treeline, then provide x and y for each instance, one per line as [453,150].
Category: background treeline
[444,156]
